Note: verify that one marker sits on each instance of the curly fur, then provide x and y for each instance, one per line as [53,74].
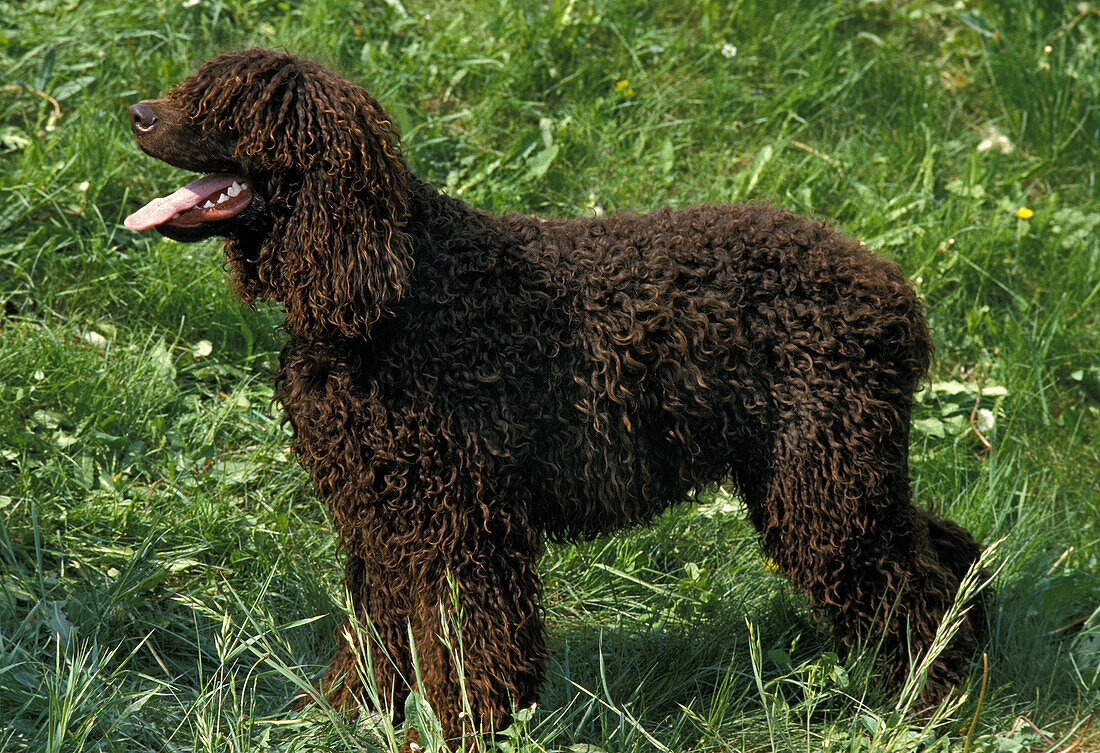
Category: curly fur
[463,385]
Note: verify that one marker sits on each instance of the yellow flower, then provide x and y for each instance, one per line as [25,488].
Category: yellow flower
[1024,213]
[623,87]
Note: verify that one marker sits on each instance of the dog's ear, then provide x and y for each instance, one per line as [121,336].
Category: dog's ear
[343,253]
[339,187]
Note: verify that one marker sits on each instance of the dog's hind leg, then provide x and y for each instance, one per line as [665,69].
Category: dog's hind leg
[834,510]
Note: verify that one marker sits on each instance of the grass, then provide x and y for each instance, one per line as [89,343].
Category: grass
[167,581]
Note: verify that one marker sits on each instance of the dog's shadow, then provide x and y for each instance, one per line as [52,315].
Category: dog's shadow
[614,678]
[643,640]
[609,683]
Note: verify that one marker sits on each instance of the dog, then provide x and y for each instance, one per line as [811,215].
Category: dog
[463,386]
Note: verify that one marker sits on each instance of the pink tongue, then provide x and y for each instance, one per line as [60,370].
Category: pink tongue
[162,209]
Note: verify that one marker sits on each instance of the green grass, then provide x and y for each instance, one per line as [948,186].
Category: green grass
[167,582]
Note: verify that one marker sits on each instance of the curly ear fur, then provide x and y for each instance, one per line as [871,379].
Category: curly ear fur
[337,253]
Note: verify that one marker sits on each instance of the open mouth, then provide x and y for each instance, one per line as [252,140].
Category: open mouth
[214,197]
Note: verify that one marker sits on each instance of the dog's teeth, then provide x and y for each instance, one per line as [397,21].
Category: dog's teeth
[221,198]
[234,189]
[208,205]
[244,185]
[177,214]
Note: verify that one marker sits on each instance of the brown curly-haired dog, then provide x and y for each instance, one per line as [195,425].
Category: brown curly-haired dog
[462,385]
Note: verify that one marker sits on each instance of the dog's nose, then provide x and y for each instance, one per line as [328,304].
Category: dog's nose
[142,118]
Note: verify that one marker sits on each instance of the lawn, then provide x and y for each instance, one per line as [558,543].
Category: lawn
[166,579]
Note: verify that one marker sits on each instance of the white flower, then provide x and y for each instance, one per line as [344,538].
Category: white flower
[84,186]
[984,420]
[95,339]
[655,49]
[728,50]
[992,138]
[190,3]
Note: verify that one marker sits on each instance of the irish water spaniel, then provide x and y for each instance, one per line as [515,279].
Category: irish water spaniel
[463,385]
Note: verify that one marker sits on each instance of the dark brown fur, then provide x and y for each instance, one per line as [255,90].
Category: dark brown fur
[462,385]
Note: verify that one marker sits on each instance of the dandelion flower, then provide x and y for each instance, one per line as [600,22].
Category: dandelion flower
[95,339]
[623,87]
[992,138]
[1024,213]
[984,420]
[728,50]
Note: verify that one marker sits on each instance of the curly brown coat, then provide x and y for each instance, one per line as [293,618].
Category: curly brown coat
[462,385]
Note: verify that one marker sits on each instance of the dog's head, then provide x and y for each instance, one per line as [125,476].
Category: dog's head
[304,180]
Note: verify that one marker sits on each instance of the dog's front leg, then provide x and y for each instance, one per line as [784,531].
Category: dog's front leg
[456,571]
[374,647]
[476,619]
